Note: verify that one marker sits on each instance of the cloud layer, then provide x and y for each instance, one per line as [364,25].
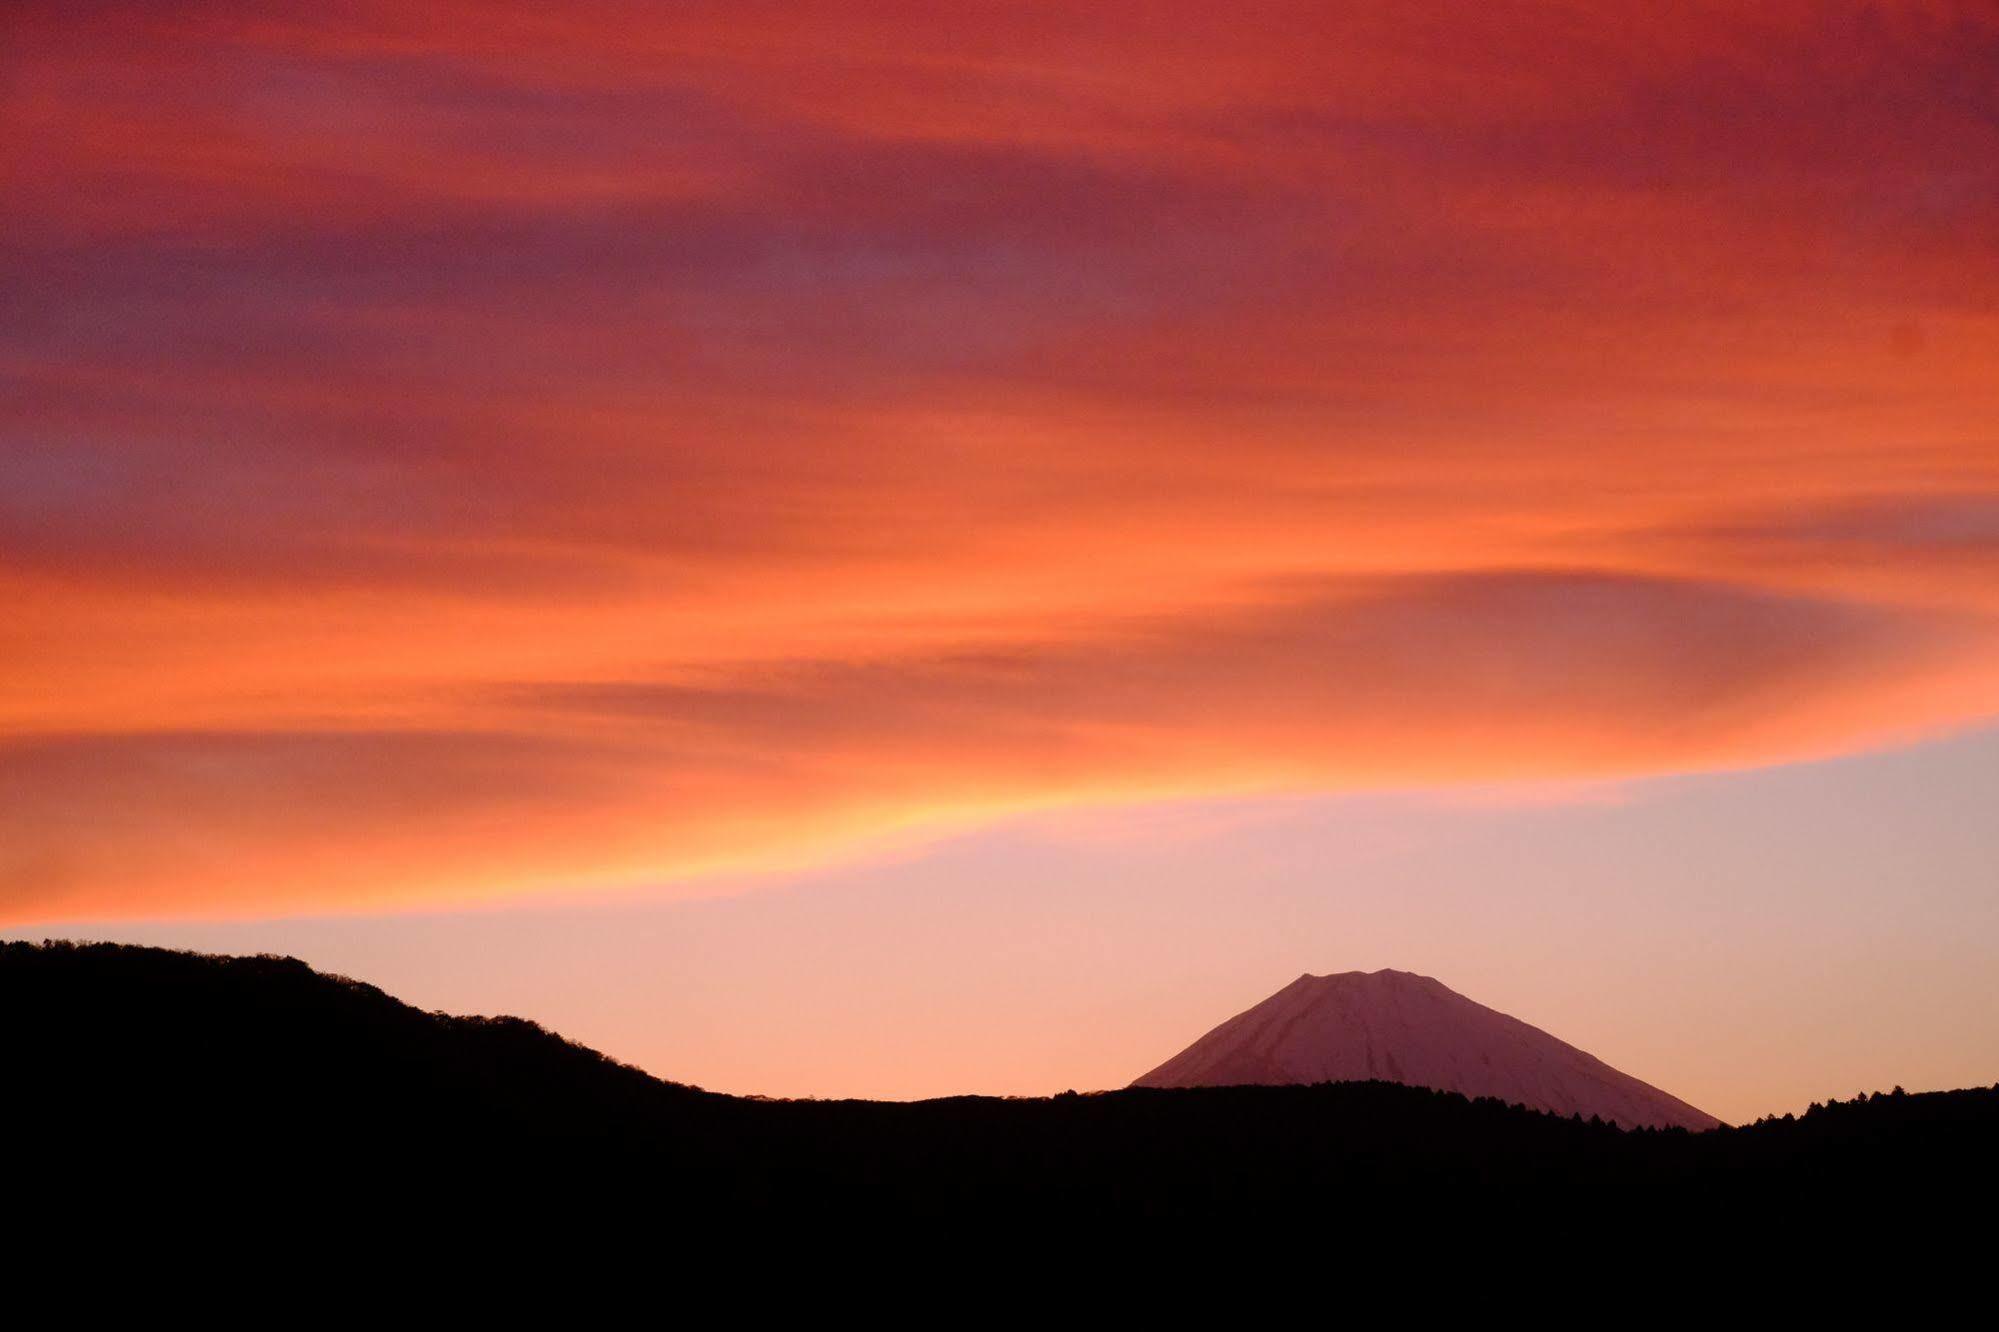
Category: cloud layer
[485,452]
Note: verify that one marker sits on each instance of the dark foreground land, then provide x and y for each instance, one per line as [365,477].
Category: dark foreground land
[162,1069]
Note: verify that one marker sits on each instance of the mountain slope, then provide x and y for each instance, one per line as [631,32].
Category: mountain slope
[1401,1027]
[139,1083]
[138,1047]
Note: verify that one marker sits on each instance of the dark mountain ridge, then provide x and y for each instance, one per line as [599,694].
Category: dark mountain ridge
[144,1061]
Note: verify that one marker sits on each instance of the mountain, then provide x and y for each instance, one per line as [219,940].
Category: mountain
[1401,1027]
[136,1049]
[149,1089]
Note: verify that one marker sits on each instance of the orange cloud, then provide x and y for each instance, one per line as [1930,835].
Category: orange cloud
[450,455]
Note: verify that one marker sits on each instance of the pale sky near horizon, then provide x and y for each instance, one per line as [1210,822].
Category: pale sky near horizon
[1749,941]
[467,469]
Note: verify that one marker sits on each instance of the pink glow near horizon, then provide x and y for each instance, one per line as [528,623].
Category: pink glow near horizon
[1749,942]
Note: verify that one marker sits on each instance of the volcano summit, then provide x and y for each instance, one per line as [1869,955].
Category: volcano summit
[1401,1027]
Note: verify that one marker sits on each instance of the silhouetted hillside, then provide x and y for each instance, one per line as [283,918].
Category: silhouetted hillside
[153,1040]
[146,1062]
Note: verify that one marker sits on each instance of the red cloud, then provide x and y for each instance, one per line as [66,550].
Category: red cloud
[455,453]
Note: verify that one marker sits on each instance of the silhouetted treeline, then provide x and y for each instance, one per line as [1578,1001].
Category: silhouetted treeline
[149,1065]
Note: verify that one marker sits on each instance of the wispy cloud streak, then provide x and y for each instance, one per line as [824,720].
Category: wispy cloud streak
[455,453]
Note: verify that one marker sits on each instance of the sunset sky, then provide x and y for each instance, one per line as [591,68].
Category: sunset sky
[901,548]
